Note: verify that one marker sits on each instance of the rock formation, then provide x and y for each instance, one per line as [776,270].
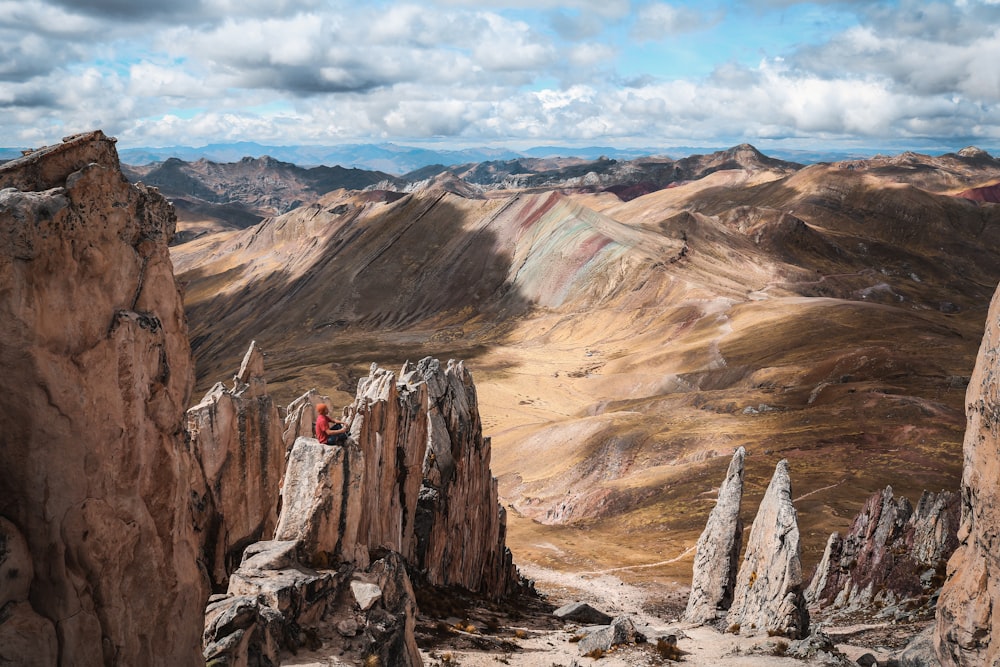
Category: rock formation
[718,551]
[768,597]
[966,622]
[411,488]
[275,603]
[300,417]
[96,477]
[236,433]
[892,553]
[414,479]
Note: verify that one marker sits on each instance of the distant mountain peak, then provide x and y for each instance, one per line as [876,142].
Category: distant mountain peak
[973,152]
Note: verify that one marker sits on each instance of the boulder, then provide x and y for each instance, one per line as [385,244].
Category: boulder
[604,638]
[817,649]
[365,594]
[920,652]
[718,550]
[236,433]
[965,622]
[768,597]
[242,632]
[97,373]
[276,605]
[581,612]
[318,483]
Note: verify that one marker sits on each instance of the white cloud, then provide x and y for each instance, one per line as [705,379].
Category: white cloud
[315,71]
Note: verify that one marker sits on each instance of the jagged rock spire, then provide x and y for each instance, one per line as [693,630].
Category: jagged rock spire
[413,478]
[768,595]
[236,433]
[890,553]
[718,551]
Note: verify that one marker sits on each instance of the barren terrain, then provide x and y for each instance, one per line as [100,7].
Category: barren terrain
[622,350]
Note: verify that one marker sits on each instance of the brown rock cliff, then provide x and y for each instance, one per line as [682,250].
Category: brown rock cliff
[97,476]
[966,622]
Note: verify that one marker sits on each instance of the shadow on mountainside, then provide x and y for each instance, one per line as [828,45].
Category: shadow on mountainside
[332,287]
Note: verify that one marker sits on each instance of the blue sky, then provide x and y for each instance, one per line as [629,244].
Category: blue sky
[455,73]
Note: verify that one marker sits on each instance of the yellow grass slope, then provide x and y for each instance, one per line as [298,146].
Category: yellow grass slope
[623,351]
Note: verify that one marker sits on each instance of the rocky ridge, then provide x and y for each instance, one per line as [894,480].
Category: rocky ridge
[236,432]
[100,496]
[404,493]
[111,510]
[891,562]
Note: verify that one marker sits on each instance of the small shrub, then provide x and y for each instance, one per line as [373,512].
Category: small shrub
[733,629]
[780,648]
[575,638]
[521,634]
[372,661]
[775,632]
[596,654]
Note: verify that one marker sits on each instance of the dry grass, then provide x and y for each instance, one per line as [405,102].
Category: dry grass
[614,406]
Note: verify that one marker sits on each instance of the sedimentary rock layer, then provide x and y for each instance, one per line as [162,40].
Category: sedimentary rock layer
[97,373]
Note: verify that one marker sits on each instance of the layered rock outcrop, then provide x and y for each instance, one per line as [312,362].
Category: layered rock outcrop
[96,477]
[717,554]
[414,478]
[891,554]
[966,621]
[768,597]
[236,433]
[410,489]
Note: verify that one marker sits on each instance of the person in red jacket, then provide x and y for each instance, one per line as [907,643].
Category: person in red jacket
[329,430]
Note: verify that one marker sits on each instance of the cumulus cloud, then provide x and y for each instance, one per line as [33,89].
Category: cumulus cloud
[324,71]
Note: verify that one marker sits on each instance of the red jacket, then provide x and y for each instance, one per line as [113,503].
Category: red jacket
[322,426]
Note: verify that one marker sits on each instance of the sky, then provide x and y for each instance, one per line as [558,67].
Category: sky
[515,73]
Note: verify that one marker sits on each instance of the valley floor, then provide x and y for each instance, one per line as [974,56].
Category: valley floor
[529,636]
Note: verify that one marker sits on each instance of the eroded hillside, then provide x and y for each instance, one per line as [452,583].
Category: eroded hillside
[622,350]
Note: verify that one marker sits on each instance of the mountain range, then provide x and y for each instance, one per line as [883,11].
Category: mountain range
[624,341]
[400,159]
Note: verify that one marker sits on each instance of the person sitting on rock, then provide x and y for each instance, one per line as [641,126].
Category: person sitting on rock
[329,430]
